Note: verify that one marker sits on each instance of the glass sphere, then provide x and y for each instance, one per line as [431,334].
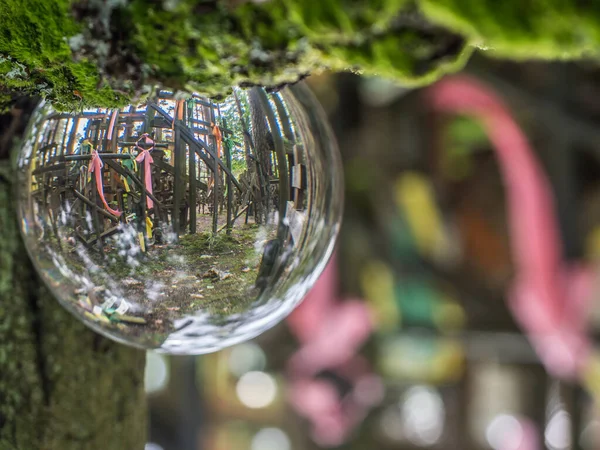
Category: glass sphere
[182,224]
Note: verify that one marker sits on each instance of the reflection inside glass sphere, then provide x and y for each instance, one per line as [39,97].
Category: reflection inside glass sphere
[181,223]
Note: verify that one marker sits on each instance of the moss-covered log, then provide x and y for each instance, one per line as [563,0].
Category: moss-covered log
[103,53]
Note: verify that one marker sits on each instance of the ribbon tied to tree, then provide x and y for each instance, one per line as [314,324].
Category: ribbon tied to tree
[145,157]
[218,138]
[96,165]
[218,146]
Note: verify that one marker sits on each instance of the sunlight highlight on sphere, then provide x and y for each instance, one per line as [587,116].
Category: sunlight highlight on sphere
[256,389]
[271,439]
[181,224]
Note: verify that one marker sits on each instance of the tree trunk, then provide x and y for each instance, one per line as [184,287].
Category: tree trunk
[263,146]
[62,386]
[251,166]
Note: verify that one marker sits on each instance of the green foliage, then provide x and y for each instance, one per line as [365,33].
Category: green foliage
[343,20]
[238,166]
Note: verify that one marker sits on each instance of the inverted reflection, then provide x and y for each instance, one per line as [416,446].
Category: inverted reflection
[181,223]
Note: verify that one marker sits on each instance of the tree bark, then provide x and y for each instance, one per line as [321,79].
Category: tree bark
[62,386]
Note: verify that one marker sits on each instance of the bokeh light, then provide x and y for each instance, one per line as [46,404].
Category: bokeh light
[256,389]
[423,415]
[558,430]
[505,432]
[271,439]
[245,358]
[157,372]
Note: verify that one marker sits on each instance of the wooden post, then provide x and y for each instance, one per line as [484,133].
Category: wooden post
[227,150]
[288,132]
[113,132]
[127,137]
[284,118]
[64,136]
[178,165]
[192,194]
[245,131]
[216,178]
[95,133]
[216,187]
[95,217]
[143,198]
[54,131]
[252,166]
[72,136]
[298,180]
[177,194]
[105,125]
[284,182]
[129,123]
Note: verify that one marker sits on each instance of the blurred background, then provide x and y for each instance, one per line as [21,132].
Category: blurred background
[407,342]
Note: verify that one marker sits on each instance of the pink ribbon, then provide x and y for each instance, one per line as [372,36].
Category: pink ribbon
[96,165]
[145,157]
[548,296]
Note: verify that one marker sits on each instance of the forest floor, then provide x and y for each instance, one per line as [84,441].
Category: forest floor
[199,273]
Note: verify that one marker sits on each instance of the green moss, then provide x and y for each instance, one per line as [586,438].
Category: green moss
[114,51]
[523,29]
[406,58]
[110,55]
[333,21]
[35,57]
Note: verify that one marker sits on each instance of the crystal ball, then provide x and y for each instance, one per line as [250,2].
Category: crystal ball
[181,224]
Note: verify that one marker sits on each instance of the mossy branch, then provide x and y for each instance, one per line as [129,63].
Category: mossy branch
[106,53]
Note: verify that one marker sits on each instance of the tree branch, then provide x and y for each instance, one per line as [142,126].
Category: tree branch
[97,53]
